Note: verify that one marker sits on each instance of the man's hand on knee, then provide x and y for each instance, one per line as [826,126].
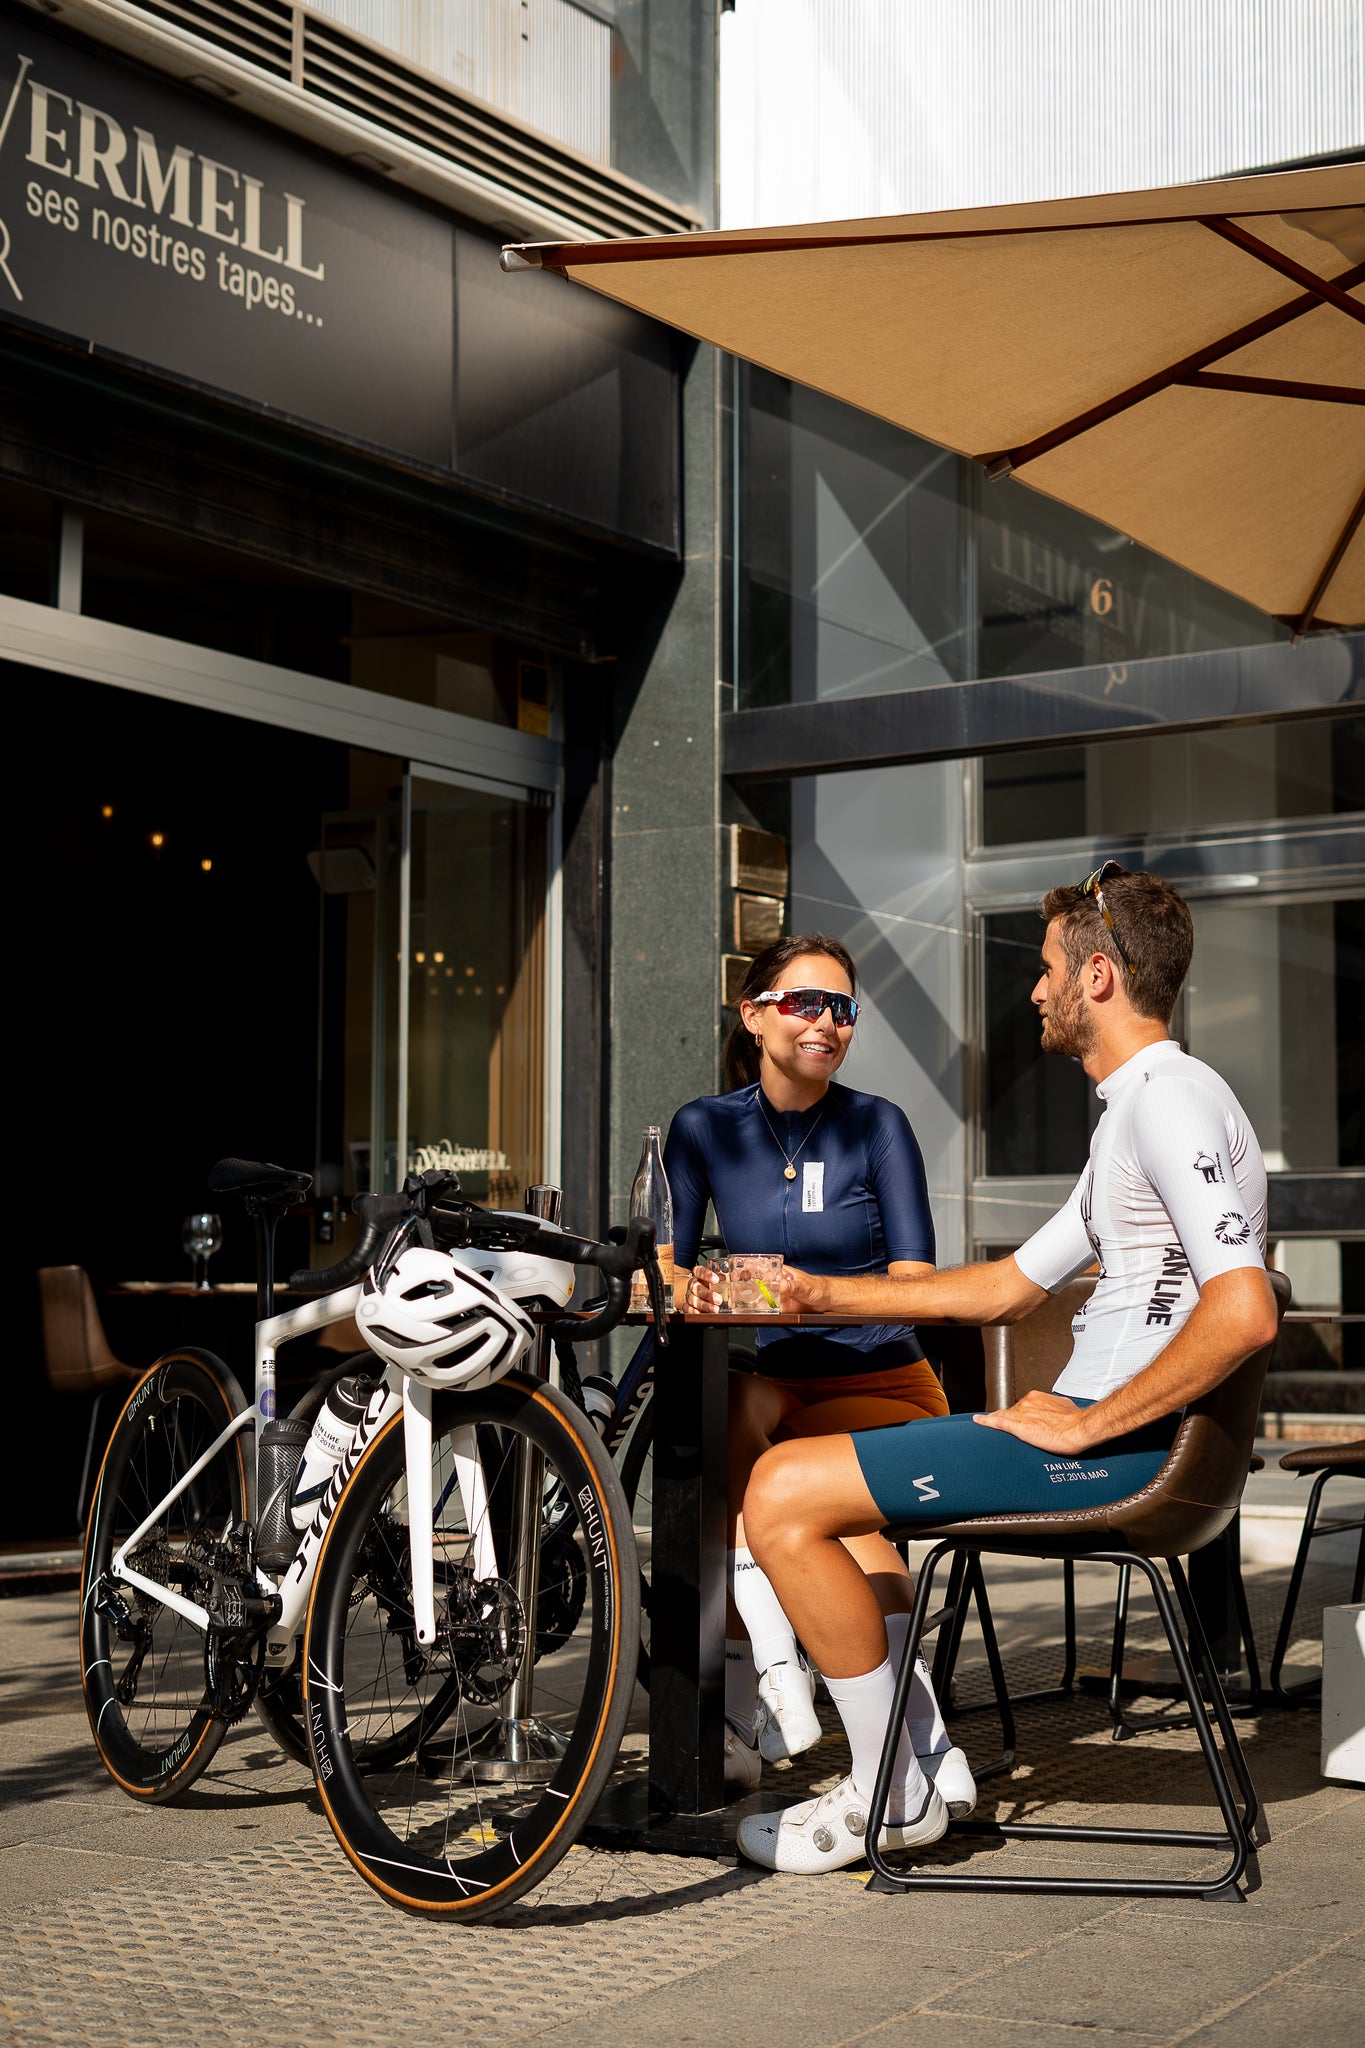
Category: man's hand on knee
[1048,1421]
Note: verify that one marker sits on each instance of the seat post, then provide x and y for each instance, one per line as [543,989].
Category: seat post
[265,1214]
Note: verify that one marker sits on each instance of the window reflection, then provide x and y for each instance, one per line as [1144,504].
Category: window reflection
[1175,783]
[850,541]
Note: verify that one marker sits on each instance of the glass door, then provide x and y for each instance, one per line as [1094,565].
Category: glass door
[477,959]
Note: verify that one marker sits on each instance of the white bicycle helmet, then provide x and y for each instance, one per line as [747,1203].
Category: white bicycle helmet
[526,1276]
[441,1323]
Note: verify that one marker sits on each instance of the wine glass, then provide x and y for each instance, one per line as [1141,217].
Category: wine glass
[201,1235]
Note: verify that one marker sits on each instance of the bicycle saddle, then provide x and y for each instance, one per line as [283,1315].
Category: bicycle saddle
[256,1177]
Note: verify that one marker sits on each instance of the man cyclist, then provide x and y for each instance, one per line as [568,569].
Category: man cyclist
[1172,1205]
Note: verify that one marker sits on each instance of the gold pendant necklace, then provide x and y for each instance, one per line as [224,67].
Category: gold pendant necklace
[789,1170]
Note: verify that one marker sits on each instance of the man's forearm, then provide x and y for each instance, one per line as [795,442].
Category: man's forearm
[1223,1328]
[992,1292]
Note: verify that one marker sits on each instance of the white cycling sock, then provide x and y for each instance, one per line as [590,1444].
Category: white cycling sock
[741,1683]
[922,1716]
[864,1705]
[770,1632]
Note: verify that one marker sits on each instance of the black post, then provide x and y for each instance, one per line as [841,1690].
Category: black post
[1213,1588]
[687,1609]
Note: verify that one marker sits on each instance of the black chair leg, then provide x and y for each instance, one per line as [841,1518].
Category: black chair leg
[950,1642]
[950,1638]
[1202,1656]
[1127,1724]
[1234,1838]
[1308,1689]
[1121,1729]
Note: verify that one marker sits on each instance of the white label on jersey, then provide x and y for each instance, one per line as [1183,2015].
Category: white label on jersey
[813,1184]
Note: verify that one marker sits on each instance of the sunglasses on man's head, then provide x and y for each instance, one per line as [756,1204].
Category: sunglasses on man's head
[811,1004]
[1093,885]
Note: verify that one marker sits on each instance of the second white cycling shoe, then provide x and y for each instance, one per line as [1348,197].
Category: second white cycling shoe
[743,1764]
[831,1832]
[951,1774]
[786,1721]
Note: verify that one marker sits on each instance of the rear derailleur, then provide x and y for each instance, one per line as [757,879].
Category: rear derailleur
[240,1617]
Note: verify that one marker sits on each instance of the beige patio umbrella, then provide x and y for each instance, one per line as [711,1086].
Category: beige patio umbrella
[1187,365]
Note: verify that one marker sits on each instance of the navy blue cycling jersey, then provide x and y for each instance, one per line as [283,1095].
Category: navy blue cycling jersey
[858,1203]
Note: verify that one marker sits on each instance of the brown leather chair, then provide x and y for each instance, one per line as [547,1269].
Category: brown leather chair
[76,1352]
[1327,1461]
[1028,1356]
[1191,1500]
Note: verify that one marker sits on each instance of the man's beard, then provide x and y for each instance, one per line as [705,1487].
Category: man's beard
[1068,1027]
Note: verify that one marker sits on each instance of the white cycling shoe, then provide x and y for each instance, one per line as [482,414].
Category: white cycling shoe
[951,1774]
[831,1832]
[786,1721]
[743,1764]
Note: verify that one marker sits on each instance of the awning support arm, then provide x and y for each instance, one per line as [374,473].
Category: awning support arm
[1329,290]
[1005,461]
[1329,569]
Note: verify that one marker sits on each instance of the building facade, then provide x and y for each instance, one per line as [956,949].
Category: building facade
[357,604]
[1001,638]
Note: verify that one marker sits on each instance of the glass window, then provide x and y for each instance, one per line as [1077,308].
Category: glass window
[1037,1110]
[850,542]
[476,1034]
[27,529]
[185,589]
[1059,590]
[1180,782]
[1275,1000]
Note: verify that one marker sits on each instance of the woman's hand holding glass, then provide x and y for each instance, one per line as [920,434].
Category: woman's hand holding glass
[705,1295]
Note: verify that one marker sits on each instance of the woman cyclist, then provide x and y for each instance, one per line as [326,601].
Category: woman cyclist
[834,1180]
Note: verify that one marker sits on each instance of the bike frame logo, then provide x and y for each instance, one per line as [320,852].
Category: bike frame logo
[25,66]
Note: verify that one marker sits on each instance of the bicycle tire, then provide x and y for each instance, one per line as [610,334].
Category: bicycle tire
[159,1737]
[639,1499]
[423,1830]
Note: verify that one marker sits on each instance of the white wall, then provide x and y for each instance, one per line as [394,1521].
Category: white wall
[835,109]
[546,63]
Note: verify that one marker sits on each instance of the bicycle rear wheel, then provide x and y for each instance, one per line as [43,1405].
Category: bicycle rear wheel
[142,1663]
[410,1744]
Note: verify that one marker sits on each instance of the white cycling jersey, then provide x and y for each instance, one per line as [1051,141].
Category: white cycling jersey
[1174,1193]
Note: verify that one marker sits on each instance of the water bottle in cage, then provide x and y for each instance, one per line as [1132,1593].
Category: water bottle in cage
[326,1447]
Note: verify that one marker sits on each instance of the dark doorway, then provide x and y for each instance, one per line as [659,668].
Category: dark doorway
[167,994]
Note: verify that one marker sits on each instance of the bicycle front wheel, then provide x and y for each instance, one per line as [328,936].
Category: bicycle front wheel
[142,1663]
[450,1791]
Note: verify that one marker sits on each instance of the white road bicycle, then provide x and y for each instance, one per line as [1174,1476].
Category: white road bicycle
[454,1643]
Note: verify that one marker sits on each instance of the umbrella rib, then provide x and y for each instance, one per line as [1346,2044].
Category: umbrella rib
[1006,460]
[1327,289]
[1277,387]
[1329,568]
